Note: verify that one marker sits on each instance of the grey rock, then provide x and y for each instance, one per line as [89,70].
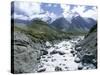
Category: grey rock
[44,52]
[42,70]
[66,67]
[53,60]
[88,58]
[89,48]
[53,52]
[77,60]
[78,48]
[72,51]
[57,52]
[26,53]
[65,59]
[49,56]
[61,53]
[58,68]
[80,67]
[45,60]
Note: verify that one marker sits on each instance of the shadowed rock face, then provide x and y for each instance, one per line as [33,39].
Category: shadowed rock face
[26,54]
[88,52]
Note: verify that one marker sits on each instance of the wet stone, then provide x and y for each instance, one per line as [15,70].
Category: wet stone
[77,60]
[73,55]
[43,57]
[61,53]
[60,64]
[87,59]
[72,51]
[53,60]
[78,48]
[65,59]
[40,66]
[66,67]
[42,70]
[46,60]
[56,47]
[49,57]
[64,64]
[38,58]
[80,67]
[58,68]
[66,49]
[53,52]
[44,52]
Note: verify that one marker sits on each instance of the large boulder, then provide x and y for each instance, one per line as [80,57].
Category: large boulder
[58,68]
[25,55]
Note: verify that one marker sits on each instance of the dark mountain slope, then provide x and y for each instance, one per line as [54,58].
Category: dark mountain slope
[61,23]
[88,50]
[78,24]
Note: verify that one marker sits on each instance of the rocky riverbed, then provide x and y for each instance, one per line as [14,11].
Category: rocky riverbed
[62,57]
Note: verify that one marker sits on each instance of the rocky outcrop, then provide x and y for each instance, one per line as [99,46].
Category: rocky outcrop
[26,53]
[87,49]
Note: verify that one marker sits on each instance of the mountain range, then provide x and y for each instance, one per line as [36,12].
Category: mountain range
[77,23]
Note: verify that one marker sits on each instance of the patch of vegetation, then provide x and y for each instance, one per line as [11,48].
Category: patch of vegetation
[41,31]
[93,29]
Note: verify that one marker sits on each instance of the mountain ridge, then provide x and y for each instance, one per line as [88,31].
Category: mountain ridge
[78,24]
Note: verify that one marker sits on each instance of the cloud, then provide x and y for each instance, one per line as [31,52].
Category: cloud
[26,9]
[29,10]
[49,5]
[66,12]
[45,16]
[55,5]
[65,7]
[90,13]
[20,16]
[53,16]
[78,10]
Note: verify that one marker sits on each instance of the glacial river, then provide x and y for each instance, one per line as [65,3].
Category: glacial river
[61,57]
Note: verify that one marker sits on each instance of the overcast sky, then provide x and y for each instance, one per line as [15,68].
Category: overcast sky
[29,10]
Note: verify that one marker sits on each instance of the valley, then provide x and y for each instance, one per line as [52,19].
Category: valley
[43,49]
